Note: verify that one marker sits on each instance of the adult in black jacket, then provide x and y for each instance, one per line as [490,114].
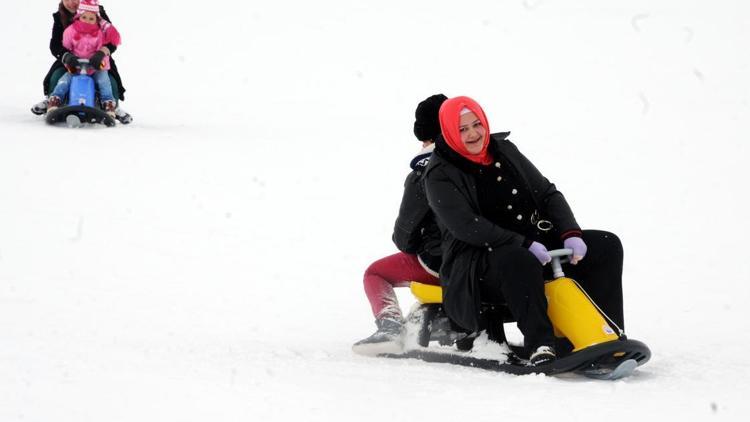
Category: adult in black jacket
[499,215]
[417,237]
[416,231]
[61,19]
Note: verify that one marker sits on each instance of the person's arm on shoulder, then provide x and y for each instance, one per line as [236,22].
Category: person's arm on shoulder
[455,213]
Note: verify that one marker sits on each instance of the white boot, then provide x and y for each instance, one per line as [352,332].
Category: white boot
[387,339]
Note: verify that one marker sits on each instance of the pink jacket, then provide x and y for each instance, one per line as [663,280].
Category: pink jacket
[84,39]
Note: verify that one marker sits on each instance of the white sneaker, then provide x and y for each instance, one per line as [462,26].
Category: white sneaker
[123,116]
[40,107]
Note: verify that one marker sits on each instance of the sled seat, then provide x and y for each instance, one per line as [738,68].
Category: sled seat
[426,293]
[430,294]
[434,324]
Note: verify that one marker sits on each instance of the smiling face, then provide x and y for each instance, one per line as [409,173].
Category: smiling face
[71,5]
[88,17]
[472,133]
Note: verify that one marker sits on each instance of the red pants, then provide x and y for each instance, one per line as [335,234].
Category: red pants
[393,271]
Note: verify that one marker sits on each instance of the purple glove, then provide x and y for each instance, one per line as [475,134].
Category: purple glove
[579,248]
[540,252]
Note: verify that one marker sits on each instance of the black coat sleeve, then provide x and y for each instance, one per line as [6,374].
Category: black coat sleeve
[552,203]
[454,210]
[55,42]
[407,232]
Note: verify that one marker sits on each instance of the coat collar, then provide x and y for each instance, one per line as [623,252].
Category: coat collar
[420,161]
[447,153]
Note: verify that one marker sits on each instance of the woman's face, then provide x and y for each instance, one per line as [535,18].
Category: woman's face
[472,133]
[71,5]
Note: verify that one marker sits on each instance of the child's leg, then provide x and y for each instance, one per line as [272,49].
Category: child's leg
[104,85]
[63,85]
[392,271]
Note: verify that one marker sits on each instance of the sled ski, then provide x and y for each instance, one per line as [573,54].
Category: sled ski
[624,369]
[610,361]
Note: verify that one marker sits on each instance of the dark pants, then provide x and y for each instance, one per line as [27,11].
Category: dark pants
[512,275]
[600,273]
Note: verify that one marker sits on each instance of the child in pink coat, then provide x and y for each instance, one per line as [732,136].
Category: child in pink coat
[85,39]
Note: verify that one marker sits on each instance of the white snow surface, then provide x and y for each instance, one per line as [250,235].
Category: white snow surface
[205,262]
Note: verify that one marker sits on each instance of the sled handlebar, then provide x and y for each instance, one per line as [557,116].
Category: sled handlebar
[556,253]
[556,262]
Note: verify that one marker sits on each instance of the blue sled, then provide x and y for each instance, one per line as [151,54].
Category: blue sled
[82,105]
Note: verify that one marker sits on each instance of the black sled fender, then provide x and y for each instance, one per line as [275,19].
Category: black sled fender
[83,113]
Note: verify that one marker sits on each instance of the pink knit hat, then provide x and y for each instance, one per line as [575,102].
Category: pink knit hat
[88,6]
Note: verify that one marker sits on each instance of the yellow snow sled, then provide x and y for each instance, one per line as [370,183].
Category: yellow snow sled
[599,346]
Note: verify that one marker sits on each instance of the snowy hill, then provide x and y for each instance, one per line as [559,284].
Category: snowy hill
[205,262]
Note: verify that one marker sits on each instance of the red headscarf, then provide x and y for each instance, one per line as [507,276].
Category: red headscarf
[450,117]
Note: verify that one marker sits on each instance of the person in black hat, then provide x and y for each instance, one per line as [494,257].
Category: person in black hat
[426,118]
[417,237]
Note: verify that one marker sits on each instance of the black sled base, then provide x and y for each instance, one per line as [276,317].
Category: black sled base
[610,360]
[83,114]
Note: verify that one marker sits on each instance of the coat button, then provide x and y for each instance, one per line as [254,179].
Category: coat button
[519,217]
[497,164]
[510,207]
[514,191]
[499,178]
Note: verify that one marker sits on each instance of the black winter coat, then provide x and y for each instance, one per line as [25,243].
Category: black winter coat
[57,49]
[416,231]
[467,235]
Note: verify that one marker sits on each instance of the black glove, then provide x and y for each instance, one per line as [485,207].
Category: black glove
[96,60]
[70,61]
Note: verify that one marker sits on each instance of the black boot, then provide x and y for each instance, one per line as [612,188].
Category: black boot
[542,356]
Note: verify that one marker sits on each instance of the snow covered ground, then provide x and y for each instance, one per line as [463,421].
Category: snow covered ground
[205,262]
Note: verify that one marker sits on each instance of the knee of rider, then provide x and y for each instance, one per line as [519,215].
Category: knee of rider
[614,245]
[372,269]
[522,261]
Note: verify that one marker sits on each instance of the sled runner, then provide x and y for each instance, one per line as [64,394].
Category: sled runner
[600,349]
[82,102]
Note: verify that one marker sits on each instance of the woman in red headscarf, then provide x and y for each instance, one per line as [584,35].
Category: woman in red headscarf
[499,216]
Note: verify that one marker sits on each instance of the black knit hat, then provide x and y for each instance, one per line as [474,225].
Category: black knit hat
[427,123]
